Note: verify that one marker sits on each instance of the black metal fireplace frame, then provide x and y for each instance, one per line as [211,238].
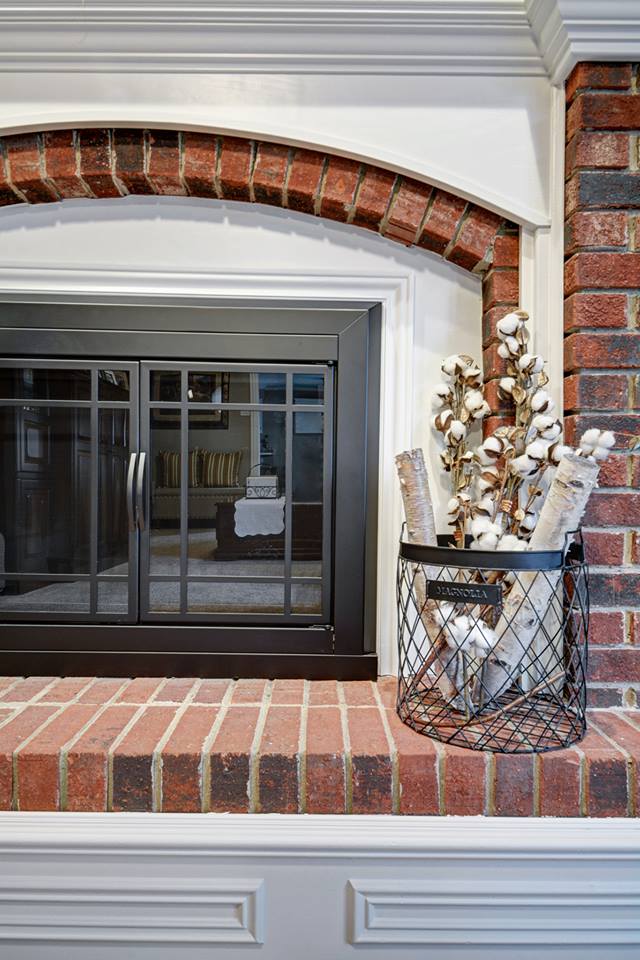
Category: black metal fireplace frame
[343,334]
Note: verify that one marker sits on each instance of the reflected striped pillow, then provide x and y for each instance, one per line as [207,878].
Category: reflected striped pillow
[221,469]
[169,468]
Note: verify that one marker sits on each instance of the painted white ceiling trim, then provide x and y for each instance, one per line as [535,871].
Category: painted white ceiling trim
[414,37]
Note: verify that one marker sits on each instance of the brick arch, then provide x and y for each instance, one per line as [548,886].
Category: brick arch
[97,163]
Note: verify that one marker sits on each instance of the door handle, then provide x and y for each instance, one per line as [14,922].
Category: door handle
[131,472]
[142,461]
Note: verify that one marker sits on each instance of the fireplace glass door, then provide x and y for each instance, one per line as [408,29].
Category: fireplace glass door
[164,492]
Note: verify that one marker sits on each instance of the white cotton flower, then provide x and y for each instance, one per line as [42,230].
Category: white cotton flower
[542,421]
[473,400]
[472,637]
[541,402]
[481,526]
[597,442]
[537,450]
[589,440]
[529,521]
[453,506]
[558,451]
[485,505]
[443,612]
[488,480]
[441,397]
[606,442]
[503,351]
[482,411]
[506,385]
[442,420]
[464,497]
[523,465]
[530,363]
[510,542]
[488,541]
[453,364]
[456,432]
[473,374]
[512,346]
[508,325]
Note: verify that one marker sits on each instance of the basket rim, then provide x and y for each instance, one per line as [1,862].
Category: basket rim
[445,556]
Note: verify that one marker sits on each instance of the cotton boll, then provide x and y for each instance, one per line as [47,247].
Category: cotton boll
[473,400]
[541,402]
[508,325]
[523,465]
[456,432]
[453,365]
[536,450]
[589,440]
[512,543]
[558,451]
[530,363]
[503,351]
[542,421]
[453,506]
[512,346]
[443,613]
[529,521]
[506,385]
[482,411]
[607,439]
[442,420]
[488,541]
[442,397]
[484,506]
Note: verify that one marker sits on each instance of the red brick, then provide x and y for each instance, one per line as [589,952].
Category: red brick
[604,697]
[613,471]
[596,392]
[11,736]
[408,207]
[182,761]
[635,547]
[616,590]
[61,163]
[8,195]
[38,762]
[595,230]
[374,194]
[606,350]
[287,692]
[249,691]
[371,769]
[598,76]
[26,689]
[626,736]
[132,760]
[175,690]
[388,691]
[500,286]
[325,762]
[163,164]
[323,693]
[595,310]
[635,628]
[464,781]
[25,169]
[305,177]
[359,693]
[602,270]
[442,221]
[230,761]
[6,683]
[600,150]
[513,787]
[87,760]
[101,690]
[95,162]
[604,548]
[199,163]
[613,509]
[623,425]
[129,148]
[559,783]
[269,173]
[506,251]
[417,759]
[597,111]
[140,690]
[489,322]
[339,188]
[278,763]
[64,690]
[606,778]
[211,691]
[475,237]
[235,168]
[615,665]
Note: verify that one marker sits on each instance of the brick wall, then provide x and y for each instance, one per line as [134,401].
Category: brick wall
[602,352]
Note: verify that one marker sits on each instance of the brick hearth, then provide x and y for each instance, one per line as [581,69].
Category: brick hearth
[283,746]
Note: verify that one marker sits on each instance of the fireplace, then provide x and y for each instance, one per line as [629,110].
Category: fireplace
[189,488]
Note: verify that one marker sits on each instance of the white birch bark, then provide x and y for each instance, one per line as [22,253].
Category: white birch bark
[520,620]
[421,529]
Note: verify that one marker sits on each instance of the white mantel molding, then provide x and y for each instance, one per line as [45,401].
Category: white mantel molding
[415,37]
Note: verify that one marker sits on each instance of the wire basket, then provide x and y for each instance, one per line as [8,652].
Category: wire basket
[457,682]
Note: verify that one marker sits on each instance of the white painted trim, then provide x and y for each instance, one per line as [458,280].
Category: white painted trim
[568,31]
[414,37]
[142,879]
[396,294]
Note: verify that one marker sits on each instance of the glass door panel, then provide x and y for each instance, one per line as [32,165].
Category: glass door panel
[65,546]
[231,486]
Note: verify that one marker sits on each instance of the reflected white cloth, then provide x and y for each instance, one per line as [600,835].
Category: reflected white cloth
[257,517]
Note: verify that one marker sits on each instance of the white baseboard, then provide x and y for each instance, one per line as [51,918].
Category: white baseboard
[181,886]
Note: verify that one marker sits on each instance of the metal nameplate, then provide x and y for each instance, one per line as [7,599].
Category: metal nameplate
[484,593]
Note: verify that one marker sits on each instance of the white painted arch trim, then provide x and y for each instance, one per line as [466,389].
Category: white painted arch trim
[181,882]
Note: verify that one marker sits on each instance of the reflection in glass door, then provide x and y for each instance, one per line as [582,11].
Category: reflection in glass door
[68,436]
[237,502]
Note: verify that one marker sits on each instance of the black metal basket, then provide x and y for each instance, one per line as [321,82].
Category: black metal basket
[456,684]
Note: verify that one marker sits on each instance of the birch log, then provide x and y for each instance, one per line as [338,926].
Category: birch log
[421,529]
[523,611]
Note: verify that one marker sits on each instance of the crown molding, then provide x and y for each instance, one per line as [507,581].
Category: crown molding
[568,31]
[394,37]
[416,37]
